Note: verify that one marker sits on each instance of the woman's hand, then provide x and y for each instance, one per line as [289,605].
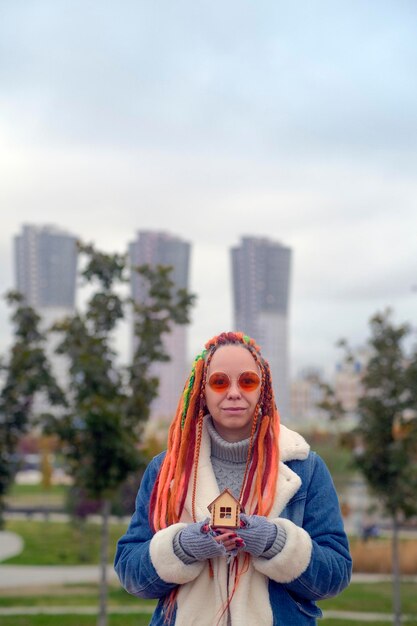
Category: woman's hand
[257,533]
[228,538]
[200,542]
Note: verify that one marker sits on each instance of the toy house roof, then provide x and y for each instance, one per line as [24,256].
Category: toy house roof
[223,493]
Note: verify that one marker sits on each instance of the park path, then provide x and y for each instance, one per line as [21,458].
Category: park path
[12,576]
[34,575]
[10,545]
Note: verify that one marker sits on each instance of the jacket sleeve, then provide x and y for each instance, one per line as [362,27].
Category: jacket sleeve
[315,562]
[145,562]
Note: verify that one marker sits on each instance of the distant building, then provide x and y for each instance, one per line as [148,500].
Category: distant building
[261,271]
[46,266]
[45,270]
[348,382]
[306,394]
[160,248]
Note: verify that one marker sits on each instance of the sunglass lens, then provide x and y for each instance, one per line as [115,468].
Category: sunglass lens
[219,382]
[249,381]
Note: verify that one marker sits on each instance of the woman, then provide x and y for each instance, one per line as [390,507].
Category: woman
[290,548]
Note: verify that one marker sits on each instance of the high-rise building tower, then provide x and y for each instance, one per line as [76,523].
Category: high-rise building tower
[261,271]
[160,248]
[46,267]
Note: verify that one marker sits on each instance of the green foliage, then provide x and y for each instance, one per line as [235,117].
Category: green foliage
[27,373]
[384,443]
[387,451]
[109,403]
[330,403]
[106,404]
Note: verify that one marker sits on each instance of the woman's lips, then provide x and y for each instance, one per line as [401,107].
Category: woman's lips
[234,409]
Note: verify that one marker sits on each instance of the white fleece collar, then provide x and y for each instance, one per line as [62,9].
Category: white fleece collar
[292,446]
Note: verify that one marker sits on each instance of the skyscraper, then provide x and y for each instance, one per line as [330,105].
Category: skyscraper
[261,280]
[160,248]
[46,267]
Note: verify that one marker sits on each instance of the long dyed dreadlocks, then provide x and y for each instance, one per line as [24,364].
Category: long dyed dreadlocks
[184,442]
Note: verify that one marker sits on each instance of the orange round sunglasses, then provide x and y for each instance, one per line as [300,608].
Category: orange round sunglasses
[247,381]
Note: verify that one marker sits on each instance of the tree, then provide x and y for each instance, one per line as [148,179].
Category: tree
[109,403]
[27,373]
[388,461]
[386,433]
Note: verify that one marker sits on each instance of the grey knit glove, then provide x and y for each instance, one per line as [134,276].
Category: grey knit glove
[197,542]
[257,532]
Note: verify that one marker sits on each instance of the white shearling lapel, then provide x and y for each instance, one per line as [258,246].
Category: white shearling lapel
[288,484]
[291,446]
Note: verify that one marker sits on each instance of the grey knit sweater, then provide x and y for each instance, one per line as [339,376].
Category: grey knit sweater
[228,460]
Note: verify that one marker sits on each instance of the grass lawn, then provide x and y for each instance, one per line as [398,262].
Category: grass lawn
[372,597]
[61,543]
[136,619]
[69,595]
[362,597]
[21,491]
[37,496]
[344,622]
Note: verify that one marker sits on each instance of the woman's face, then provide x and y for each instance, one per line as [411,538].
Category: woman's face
[232,410]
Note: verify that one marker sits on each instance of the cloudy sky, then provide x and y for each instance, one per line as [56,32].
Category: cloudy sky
[213,120]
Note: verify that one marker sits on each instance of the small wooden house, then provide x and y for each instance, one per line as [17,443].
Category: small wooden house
[225,510]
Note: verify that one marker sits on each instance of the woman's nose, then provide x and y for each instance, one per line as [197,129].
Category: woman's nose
[234,390]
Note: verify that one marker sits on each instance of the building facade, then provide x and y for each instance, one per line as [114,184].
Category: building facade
[45,274]
[261,271]
[160,248]
[46,266]
[305,398]
[348,387]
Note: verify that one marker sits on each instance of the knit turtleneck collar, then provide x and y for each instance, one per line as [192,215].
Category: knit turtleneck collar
[236,452]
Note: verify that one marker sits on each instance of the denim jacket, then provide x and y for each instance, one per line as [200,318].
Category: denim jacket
[314,564]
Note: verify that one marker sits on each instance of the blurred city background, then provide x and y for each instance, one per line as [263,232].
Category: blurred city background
[267,153]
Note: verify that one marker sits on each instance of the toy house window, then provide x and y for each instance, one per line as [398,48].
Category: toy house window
[225,512]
